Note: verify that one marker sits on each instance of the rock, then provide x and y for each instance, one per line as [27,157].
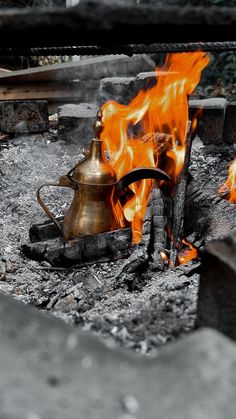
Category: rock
[75,123]
[24,116]
[60,370]
[67,304]
[230,124]
[2,270]
[210,115]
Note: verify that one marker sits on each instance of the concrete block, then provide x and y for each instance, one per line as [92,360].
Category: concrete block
[120,89]
[230,124]
[52,370]
[210,115]
[24,116]
[97,68]
[217,290]
[124,89]
[75,123]
[144,81]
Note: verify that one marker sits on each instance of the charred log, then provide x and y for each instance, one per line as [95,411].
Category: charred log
[179,195]
[83,251]
[147,252]
[158,231]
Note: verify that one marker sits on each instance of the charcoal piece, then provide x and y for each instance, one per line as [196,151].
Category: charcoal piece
[44,231]
[24,116]
[217,290]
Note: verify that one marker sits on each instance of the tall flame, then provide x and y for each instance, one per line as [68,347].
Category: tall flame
[132,134]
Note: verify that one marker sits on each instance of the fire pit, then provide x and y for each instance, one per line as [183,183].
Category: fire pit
[144,294]
[153,275]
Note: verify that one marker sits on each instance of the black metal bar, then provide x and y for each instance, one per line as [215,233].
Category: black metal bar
[101,23]
[128,49]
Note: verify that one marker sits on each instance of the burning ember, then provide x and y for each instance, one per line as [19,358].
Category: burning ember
[228,190]
[153,125]
[187,253]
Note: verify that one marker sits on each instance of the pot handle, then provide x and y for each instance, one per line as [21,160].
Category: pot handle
[50,215]
[140,173]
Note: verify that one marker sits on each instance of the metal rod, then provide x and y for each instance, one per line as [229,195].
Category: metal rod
[128,49]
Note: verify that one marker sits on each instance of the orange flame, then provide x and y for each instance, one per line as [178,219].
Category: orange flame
[231,182]
[130,133]
[187,252]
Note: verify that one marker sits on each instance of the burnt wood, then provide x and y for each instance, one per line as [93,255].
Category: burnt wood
[86,250]
[102,23]
[44,231]
[147,252]
[179,194]
[139,252]
[158,231]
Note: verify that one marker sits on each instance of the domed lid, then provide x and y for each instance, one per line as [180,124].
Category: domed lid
[95,170]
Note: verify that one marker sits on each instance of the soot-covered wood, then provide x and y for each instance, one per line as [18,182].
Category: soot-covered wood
[179,195]
[111,245]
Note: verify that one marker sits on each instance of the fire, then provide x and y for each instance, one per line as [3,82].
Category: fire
[132,133]
[187,252]
[230,184]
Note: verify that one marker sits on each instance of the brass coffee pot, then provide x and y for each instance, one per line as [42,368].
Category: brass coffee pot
[96,207]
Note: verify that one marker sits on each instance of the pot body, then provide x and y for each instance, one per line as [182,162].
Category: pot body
[92,211]
[96,207]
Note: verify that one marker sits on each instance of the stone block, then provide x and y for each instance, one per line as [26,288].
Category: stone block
[217,290]
[211,115]
[120,89]
[230,124]
[144,81]
[24,116]
[75,123]
[124,89]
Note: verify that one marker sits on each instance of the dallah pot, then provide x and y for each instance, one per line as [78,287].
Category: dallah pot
[96,207]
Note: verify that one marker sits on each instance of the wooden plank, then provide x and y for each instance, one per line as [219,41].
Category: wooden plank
[49,91]
[99,23]
[88,68]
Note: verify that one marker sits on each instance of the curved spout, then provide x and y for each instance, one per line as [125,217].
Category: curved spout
[139,174]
